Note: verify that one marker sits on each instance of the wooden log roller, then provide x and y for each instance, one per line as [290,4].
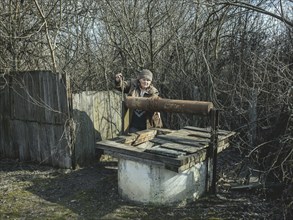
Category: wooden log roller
[169,105]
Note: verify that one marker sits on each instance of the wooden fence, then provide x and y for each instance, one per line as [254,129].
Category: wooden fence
[33,118]
[97,116]
[35,124]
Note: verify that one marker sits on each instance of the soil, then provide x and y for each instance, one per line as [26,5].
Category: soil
[34,191]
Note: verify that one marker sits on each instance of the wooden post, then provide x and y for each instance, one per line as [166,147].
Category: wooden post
[125,118]
[124,111]
[212,153]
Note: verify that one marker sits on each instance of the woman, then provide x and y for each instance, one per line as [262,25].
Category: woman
[140,87]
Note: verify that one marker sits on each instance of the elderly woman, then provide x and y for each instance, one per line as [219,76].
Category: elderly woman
[140,87]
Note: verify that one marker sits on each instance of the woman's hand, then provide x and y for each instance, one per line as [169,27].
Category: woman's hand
[118,77]
[158,114]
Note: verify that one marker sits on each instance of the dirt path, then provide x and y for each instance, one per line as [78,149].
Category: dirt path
[32,191]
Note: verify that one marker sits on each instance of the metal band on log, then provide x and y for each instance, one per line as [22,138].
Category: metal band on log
[169,105]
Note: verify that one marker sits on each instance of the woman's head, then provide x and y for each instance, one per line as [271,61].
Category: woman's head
[145,78]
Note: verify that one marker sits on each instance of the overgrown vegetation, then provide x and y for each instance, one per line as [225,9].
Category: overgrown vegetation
[237,54]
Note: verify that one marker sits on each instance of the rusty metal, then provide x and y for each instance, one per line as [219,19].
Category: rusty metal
[169,105]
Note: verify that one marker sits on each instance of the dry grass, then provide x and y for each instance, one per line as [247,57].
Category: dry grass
[32,191]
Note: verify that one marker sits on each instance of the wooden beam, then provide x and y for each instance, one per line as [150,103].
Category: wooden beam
[144,136]
[224,133]
[135,151]
[169,105]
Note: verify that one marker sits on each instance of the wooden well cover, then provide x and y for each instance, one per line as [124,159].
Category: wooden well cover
[177,150]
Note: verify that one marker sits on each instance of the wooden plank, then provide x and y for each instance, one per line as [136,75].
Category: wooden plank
[48,99]
[145,145]
[200,136]
[201,158]
[137,138]
[159,141]
[184,140]
[171,167]
[196,134]
[52,113]
[55,110]
[60,150]
[45,144]
[29,102]
[134,151]
[107,113]
[4,96]
[188,161]
[57,107]
[42,94]
[126,139]
[191,149]
[222,133]
[197,138]
[61,100]
[34,141]
[196,157]
[222,147]
[3,138]
[165,152]
[119,147]
[20,139]
[183,134]
[18,96]
[144,136]
[55,146]
[185,148]
[85,138]
[126,114]
[191,128]
[7,148]
[163,130]
[162,140]
[145,161]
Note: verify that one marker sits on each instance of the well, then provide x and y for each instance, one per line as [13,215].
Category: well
[165,166]
[148,182]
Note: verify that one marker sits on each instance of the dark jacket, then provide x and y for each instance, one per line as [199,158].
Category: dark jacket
[132,88]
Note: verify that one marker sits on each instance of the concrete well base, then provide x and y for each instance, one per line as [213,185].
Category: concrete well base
[146,182]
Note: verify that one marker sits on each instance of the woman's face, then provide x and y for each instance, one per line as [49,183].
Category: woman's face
[145,83]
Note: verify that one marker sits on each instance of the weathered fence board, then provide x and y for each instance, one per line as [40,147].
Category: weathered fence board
[38,96]
[45,144]
[7,148]
[107,114]
[19,139]
[34,141]
[33,116]
[97,117]
[4,97]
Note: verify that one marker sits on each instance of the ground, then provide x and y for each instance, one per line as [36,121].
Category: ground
[34,191]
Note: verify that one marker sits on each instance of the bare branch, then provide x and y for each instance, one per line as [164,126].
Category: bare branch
[257,9]
[47,36]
